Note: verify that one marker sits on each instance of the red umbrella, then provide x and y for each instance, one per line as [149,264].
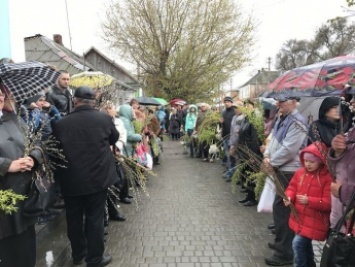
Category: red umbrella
[177,101]
[328,77]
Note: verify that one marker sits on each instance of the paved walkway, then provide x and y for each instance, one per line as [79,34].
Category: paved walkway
[192,219]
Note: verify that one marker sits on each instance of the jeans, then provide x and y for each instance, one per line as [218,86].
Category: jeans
[303,251]
[226,151]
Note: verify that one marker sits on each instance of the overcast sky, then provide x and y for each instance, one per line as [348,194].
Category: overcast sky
[279,20]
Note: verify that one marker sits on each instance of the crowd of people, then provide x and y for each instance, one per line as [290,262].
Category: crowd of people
[89,180]
[304,158]
[92,135]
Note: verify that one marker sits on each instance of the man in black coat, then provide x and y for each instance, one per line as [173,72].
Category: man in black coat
[226,121]
[86,135]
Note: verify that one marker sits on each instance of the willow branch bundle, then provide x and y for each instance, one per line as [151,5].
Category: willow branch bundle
[255,163]
[256,118]
[135,173]
[53,156]
[208,129]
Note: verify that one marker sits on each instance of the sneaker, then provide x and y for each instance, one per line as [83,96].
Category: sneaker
[205,160]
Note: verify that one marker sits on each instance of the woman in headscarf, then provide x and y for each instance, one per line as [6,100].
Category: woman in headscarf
[328,125]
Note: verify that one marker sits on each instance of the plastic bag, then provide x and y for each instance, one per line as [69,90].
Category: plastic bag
[267,197]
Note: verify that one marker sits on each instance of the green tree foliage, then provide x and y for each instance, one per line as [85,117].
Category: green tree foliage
[335,38]
[332,39]
[183,48]
[293,54]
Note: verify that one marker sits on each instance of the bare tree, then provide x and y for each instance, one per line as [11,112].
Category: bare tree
[293,54]
[184,48]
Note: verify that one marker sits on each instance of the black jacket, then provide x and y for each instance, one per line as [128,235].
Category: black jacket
[248,139]
[85,136]
[227,115]
[61,100]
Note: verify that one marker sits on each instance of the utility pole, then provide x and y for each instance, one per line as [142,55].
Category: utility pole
[269,63]
[66,7]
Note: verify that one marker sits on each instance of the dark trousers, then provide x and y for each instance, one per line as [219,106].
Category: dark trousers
[19,250]
[191,144]
[281,213]
[124,189]
[85,223]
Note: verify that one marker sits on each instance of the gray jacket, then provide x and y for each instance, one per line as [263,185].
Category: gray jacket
[284,154]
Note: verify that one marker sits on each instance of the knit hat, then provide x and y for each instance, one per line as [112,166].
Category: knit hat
[34,99]
[311,157]
[228,99]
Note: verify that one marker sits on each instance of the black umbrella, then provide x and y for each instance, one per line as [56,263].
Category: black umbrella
[147,101]
[27,79]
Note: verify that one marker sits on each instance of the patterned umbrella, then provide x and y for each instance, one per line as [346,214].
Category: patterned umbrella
[92,79]
[27,79]
[328,77]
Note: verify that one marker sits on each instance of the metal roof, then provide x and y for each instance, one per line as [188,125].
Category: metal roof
[122,69]
[42,49]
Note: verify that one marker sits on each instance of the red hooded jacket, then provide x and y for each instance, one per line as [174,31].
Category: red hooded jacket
[312,219]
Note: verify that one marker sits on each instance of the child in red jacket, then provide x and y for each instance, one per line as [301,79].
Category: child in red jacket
[309,192]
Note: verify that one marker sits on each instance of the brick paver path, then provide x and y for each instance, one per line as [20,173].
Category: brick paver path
[192,219]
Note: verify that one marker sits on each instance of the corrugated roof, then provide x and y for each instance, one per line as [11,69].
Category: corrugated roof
[42,49]
[122,69]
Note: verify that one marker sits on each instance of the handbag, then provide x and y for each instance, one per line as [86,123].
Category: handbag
[40,196]
[267,197]
[339,249]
